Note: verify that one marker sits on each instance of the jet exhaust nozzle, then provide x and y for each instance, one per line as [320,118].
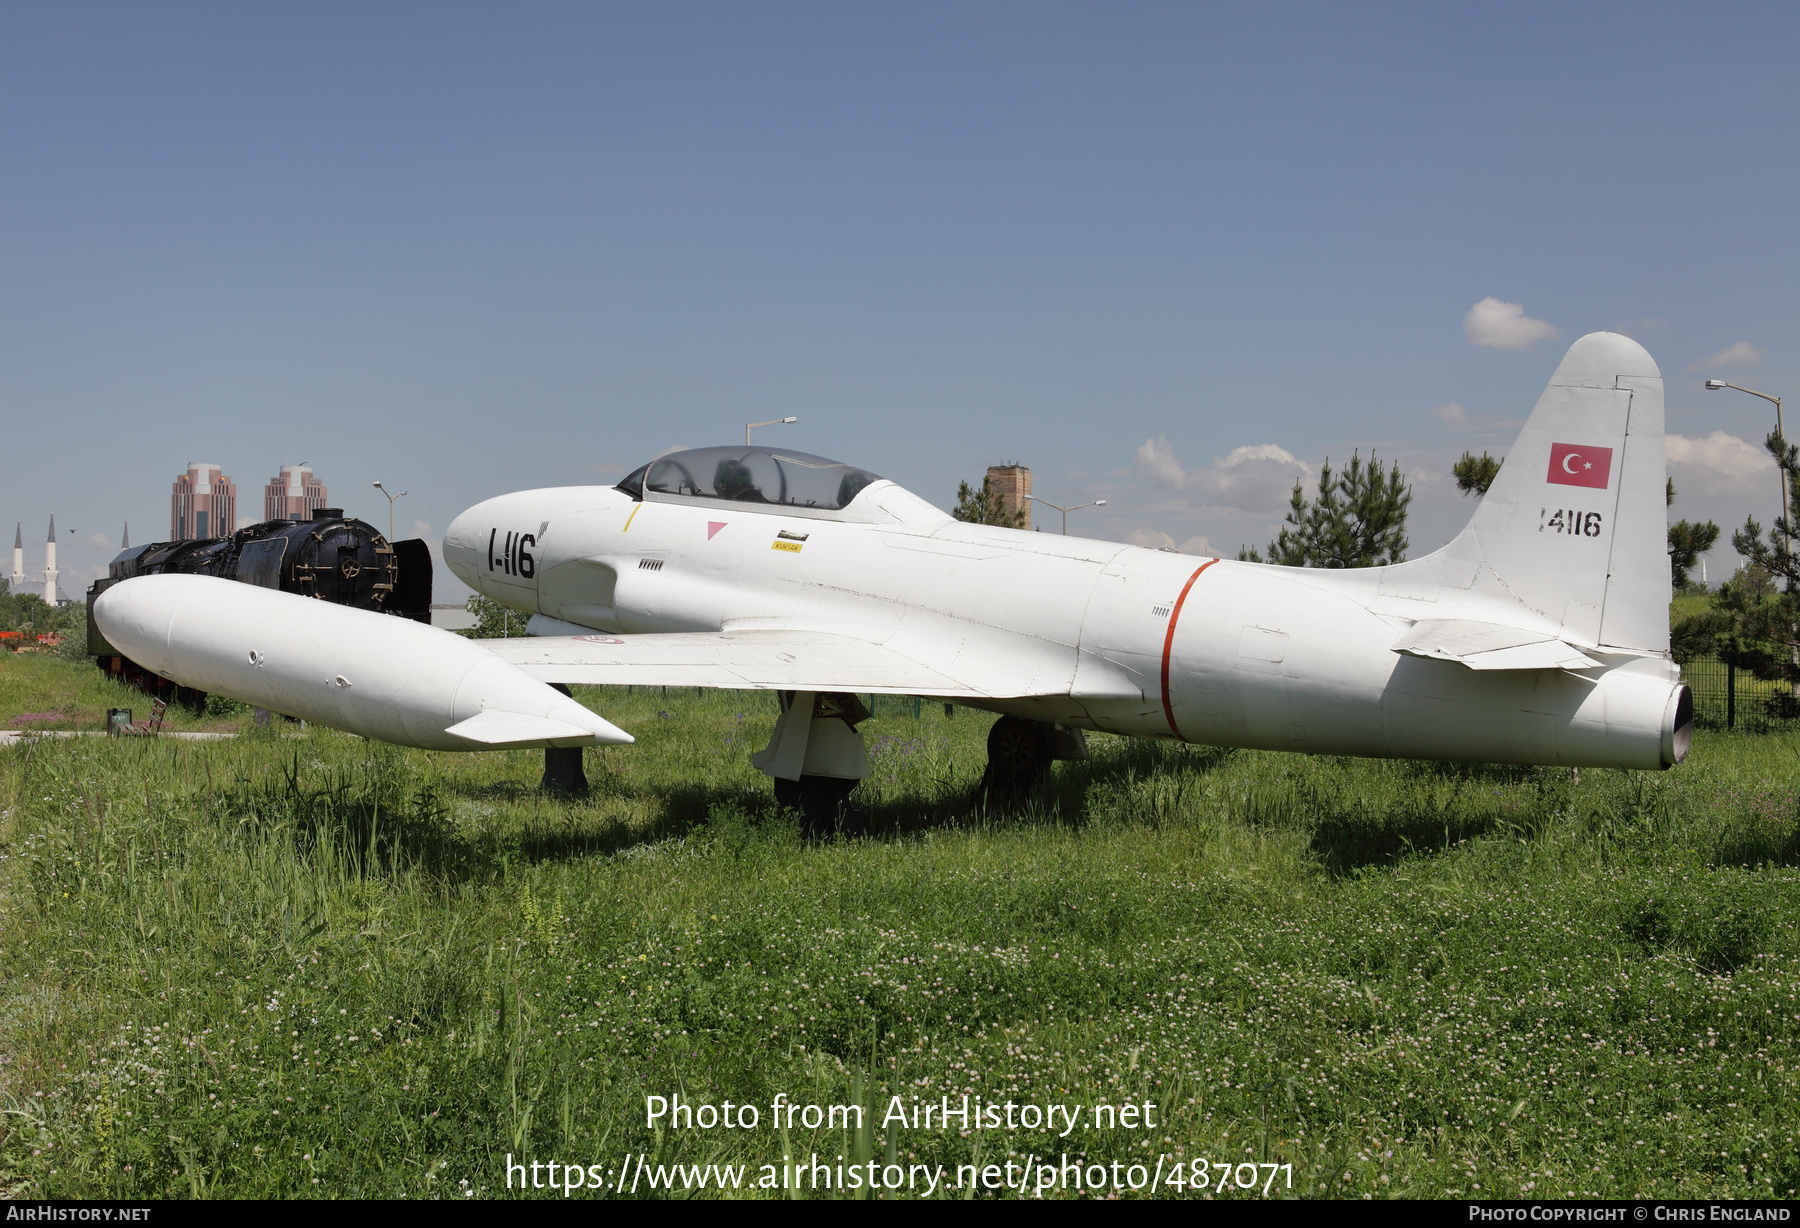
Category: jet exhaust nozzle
[372,674]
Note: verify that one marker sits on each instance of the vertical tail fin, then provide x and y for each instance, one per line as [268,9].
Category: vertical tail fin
[1574,526]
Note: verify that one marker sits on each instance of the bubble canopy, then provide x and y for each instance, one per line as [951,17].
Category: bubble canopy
[777,478]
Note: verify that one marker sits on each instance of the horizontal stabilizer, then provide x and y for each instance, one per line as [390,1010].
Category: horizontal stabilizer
[492,727]
[1480,645]
[733,660]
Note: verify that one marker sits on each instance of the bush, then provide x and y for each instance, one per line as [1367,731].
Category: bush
[224,705]
[494,621]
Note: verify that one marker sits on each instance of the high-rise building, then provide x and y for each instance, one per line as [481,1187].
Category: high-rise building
[203,504]
[1014,484]
[295,495]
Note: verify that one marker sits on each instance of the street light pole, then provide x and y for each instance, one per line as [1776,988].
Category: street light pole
[1781,478]
[392,499]
[750,426]
[1066,510]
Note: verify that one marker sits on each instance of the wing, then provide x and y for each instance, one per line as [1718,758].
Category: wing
[734,660]
[1480,645]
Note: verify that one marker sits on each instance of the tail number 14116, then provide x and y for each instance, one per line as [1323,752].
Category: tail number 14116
[1569,520]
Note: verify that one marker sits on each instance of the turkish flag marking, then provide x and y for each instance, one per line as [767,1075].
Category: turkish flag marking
[1575,465]
[713,526]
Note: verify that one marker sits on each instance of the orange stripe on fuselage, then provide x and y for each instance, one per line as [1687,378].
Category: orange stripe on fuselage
[1169,645]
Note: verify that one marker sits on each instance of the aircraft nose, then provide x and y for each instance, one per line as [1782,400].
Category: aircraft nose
[463,542]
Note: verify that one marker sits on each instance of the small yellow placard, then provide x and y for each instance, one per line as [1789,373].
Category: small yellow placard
[793,546]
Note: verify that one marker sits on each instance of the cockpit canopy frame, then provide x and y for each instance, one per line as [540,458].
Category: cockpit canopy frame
[771,479]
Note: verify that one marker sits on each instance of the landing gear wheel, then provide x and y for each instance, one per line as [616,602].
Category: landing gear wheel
[1019,758]
[824,805]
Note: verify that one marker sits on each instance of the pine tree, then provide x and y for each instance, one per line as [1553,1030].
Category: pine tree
[1688,540]
[986,506]
[1474,474]
[1755,615]
[1770,623]
[1357,519]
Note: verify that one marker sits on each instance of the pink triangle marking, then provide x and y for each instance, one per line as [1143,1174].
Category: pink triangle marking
[712,528]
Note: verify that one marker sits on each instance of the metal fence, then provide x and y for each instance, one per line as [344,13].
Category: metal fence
[1731,697]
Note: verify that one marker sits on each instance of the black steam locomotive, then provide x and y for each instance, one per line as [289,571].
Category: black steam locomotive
[329,557]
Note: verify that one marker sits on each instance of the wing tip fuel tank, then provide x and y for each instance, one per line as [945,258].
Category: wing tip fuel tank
[371,674]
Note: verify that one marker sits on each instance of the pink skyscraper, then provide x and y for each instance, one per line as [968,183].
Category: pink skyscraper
[203,504]
[295,495]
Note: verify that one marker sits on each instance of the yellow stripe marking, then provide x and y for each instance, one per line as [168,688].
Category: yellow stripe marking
[632,517]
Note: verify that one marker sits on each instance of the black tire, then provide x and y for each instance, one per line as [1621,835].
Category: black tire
[1019,759]
[823,803]
[787,794]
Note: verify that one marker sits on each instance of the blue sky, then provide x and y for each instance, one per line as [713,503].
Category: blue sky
[1150,250]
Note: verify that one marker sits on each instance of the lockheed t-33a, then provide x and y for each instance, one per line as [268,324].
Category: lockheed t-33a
[1539,635]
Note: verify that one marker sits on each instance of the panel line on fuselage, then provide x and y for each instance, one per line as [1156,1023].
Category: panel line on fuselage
[1169,645]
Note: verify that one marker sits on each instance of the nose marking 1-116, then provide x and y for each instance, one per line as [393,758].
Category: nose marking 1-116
[513,558]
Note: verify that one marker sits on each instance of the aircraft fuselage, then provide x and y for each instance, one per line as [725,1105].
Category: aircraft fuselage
[1086,633]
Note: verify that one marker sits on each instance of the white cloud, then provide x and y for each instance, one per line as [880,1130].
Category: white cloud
[1451,413]
[1722,454]
[1156,460]
[1737,354]
[422,529]
[1256,478]
[1156,539]
[1152,539]
[1505,326]
[99,541]
[1256,452]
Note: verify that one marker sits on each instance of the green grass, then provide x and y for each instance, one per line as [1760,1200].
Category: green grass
[40,691]
[291,965]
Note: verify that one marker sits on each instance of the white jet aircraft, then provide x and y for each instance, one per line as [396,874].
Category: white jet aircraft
[1540,635]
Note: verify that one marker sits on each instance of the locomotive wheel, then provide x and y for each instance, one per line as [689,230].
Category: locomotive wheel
[1019,758]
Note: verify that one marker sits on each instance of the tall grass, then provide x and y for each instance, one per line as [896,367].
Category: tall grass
[285,965]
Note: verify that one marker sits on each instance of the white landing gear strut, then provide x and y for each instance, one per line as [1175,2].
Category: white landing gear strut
[816,757]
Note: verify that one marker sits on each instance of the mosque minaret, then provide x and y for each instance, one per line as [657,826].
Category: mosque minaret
[18,571]
[50,572]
